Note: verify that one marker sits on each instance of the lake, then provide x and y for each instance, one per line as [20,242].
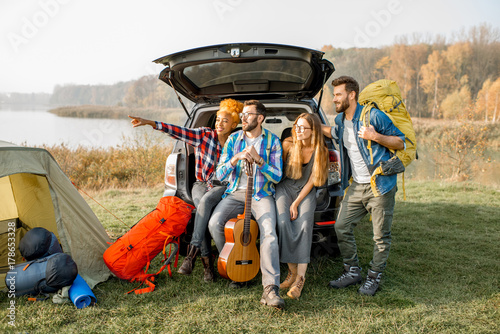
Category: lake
[36,126]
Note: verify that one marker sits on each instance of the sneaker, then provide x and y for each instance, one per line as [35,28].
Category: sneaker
[271,297]
[350,276]
[371,284]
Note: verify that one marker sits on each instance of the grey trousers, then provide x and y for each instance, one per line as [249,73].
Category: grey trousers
[264,212]
[357,203]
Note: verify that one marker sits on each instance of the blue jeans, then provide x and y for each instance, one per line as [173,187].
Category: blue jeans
[264,212]
[204,201]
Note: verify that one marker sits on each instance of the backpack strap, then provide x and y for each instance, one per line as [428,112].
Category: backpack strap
[148,279]
[173,241]
[148,282]
[39,299]
[365,116]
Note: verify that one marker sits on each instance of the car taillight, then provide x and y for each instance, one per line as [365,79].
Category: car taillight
[171,171]
[334,168]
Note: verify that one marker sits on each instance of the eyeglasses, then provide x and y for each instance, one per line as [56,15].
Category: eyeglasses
[244,115]
[299,128]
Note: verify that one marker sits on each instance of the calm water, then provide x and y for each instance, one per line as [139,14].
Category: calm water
[37,127]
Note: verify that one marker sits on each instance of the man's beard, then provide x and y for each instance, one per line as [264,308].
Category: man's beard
[343,106]
[250,126]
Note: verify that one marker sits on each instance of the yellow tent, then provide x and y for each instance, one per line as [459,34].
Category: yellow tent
[34,192]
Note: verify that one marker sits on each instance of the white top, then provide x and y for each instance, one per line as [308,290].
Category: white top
[360,172]
[255,142]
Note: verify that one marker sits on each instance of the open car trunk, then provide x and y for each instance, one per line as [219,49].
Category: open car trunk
[245,70]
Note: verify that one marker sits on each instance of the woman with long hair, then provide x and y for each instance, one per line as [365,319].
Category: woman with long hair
[306,167]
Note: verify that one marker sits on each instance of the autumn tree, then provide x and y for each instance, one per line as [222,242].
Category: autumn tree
[139,94]
[408,55]
[431,76]
[418,55]
[495,100]
[484,60]
[357,63]
[437,79]
[488,100]
[400,68]
[458,57]
[456,103]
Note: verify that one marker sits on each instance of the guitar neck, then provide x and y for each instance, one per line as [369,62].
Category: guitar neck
[248,199]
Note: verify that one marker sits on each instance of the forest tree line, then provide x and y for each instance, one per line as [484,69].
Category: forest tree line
[438,78]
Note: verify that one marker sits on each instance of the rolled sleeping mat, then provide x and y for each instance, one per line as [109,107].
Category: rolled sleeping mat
[37,243]
[80,293]
[45,275]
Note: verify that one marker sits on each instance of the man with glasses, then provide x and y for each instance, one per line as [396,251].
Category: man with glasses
[262,149]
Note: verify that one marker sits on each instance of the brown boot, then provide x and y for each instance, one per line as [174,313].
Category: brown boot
[290,278]
[187,265]
[208,264]
[296,288]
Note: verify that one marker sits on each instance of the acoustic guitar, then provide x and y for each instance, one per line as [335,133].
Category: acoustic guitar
[239,259]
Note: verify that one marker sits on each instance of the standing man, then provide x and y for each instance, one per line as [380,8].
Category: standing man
[366,194]
[262,148]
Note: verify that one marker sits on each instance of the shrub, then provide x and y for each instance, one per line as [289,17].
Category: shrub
[139,162]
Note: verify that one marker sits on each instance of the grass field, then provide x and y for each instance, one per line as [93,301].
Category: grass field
[442,277]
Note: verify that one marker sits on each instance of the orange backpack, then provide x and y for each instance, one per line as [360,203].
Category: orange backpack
[133,251]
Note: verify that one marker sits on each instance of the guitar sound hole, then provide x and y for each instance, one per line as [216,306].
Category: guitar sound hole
[245,238]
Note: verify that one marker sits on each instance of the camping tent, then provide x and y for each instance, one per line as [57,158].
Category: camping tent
[34,192]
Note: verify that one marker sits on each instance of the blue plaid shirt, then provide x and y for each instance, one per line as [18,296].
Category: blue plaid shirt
[265,177]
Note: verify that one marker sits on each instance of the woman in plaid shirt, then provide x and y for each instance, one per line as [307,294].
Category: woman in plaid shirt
[207,190]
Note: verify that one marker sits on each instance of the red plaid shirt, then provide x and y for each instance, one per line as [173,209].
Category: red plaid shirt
[206,144]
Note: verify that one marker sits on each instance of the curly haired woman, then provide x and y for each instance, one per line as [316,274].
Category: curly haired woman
[306,167]
[207,190]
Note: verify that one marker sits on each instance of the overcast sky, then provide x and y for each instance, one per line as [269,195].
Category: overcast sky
[49,42]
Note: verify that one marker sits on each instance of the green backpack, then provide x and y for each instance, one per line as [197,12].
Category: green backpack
[385,95]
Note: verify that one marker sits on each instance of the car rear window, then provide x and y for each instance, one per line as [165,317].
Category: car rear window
[280,120]
[271,70]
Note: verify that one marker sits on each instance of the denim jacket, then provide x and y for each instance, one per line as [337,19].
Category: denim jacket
[383,125]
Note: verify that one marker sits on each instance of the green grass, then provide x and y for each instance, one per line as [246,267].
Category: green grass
[442,276]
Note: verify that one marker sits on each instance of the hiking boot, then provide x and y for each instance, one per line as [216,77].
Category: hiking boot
[290,278]
[208,264]
[187,265]
[371,284]
[296,288]
[271,297]
[350,276]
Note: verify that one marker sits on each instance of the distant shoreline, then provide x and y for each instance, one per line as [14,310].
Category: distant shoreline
[118,112]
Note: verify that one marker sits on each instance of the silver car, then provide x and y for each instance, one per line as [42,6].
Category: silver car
[285,78]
